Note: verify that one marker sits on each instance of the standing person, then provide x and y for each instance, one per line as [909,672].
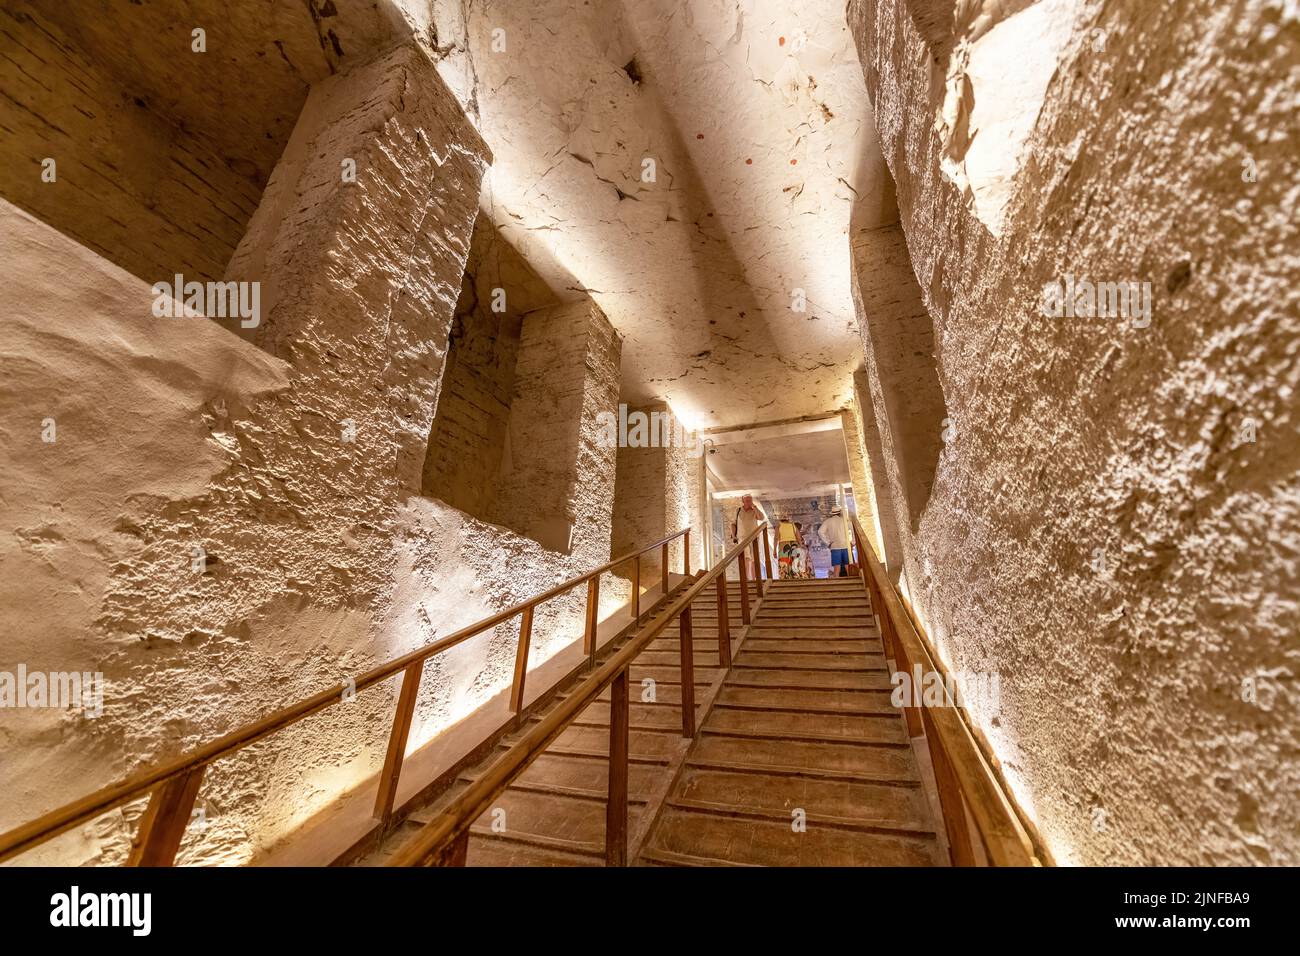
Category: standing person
[803,564]
[835,533]
[749,516]
[787,537]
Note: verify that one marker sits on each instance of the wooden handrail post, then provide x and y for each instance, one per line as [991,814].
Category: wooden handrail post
[724,624]
[886,628]
[686,638]
[686,553]
[459,850]
[767,555]
[593,612]
[663,570]
[758,570]
[616,803]
[397,741]
[744,588]
[636,588]
[521,660]
[163,825]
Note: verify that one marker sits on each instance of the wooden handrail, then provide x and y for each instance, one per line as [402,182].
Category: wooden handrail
[443,840]
[966,781]
[173,786]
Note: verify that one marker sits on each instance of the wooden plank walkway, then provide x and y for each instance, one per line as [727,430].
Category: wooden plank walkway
[799,758]
[802,760]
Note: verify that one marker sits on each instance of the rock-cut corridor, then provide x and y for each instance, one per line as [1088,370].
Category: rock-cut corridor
[336,333]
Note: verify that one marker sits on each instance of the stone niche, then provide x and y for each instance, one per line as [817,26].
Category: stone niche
[468,452]
[123,128]
[229,508]
[566,375]
[525,378]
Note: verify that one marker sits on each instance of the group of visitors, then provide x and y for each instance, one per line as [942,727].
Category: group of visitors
[793,557]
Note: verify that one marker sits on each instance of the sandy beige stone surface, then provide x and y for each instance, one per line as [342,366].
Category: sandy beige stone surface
[1103,531]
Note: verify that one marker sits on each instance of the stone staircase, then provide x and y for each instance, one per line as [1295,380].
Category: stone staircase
[802,760]
[800,724]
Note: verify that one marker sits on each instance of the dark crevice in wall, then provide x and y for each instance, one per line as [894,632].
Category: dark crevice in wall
[469,443]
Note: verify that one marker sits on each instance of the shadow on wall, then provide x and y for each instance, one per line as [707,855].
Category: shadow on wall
[899,349]
[516,406]
[933,19]
[717,273]
[118,136]
[468,451]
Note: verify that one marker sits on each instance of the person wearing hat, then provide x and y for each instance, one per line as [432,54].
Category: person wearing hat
[834,533]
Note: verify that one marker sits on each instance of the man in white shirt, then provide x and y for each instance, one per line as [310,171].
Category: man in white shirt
[834,533]
[748,517]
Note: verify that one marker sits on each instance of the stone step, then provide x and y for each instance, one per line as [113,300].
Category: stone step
[763,630]
[644,744]
[759,641]
[821,758]
[823,701]
[843,802]
[642,716]
[767,841]
[802,609]
[662,658]
[578,776]
[854,662]
[559,822]
[662,673]
[815,679]
[488,851]
[790,724]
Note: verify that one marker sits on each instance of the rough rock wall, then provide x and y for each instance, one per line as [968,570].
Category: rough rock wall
[136,187]
[107,416]
[657,492]
[864,492]
[898,342]
[469,431]
[457,568]
[881,474]
[266,558]
[463,464]
[1113,528]
[160,158]
[567,373]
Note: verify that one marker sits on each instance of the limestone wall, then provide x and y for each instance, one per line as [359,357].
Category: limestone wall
[163,120]
[552,486]
[864,491]
[133,185]
[1113,522]
[234,518]
[469,431]
[657,492]
[468,441]
[243,541]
